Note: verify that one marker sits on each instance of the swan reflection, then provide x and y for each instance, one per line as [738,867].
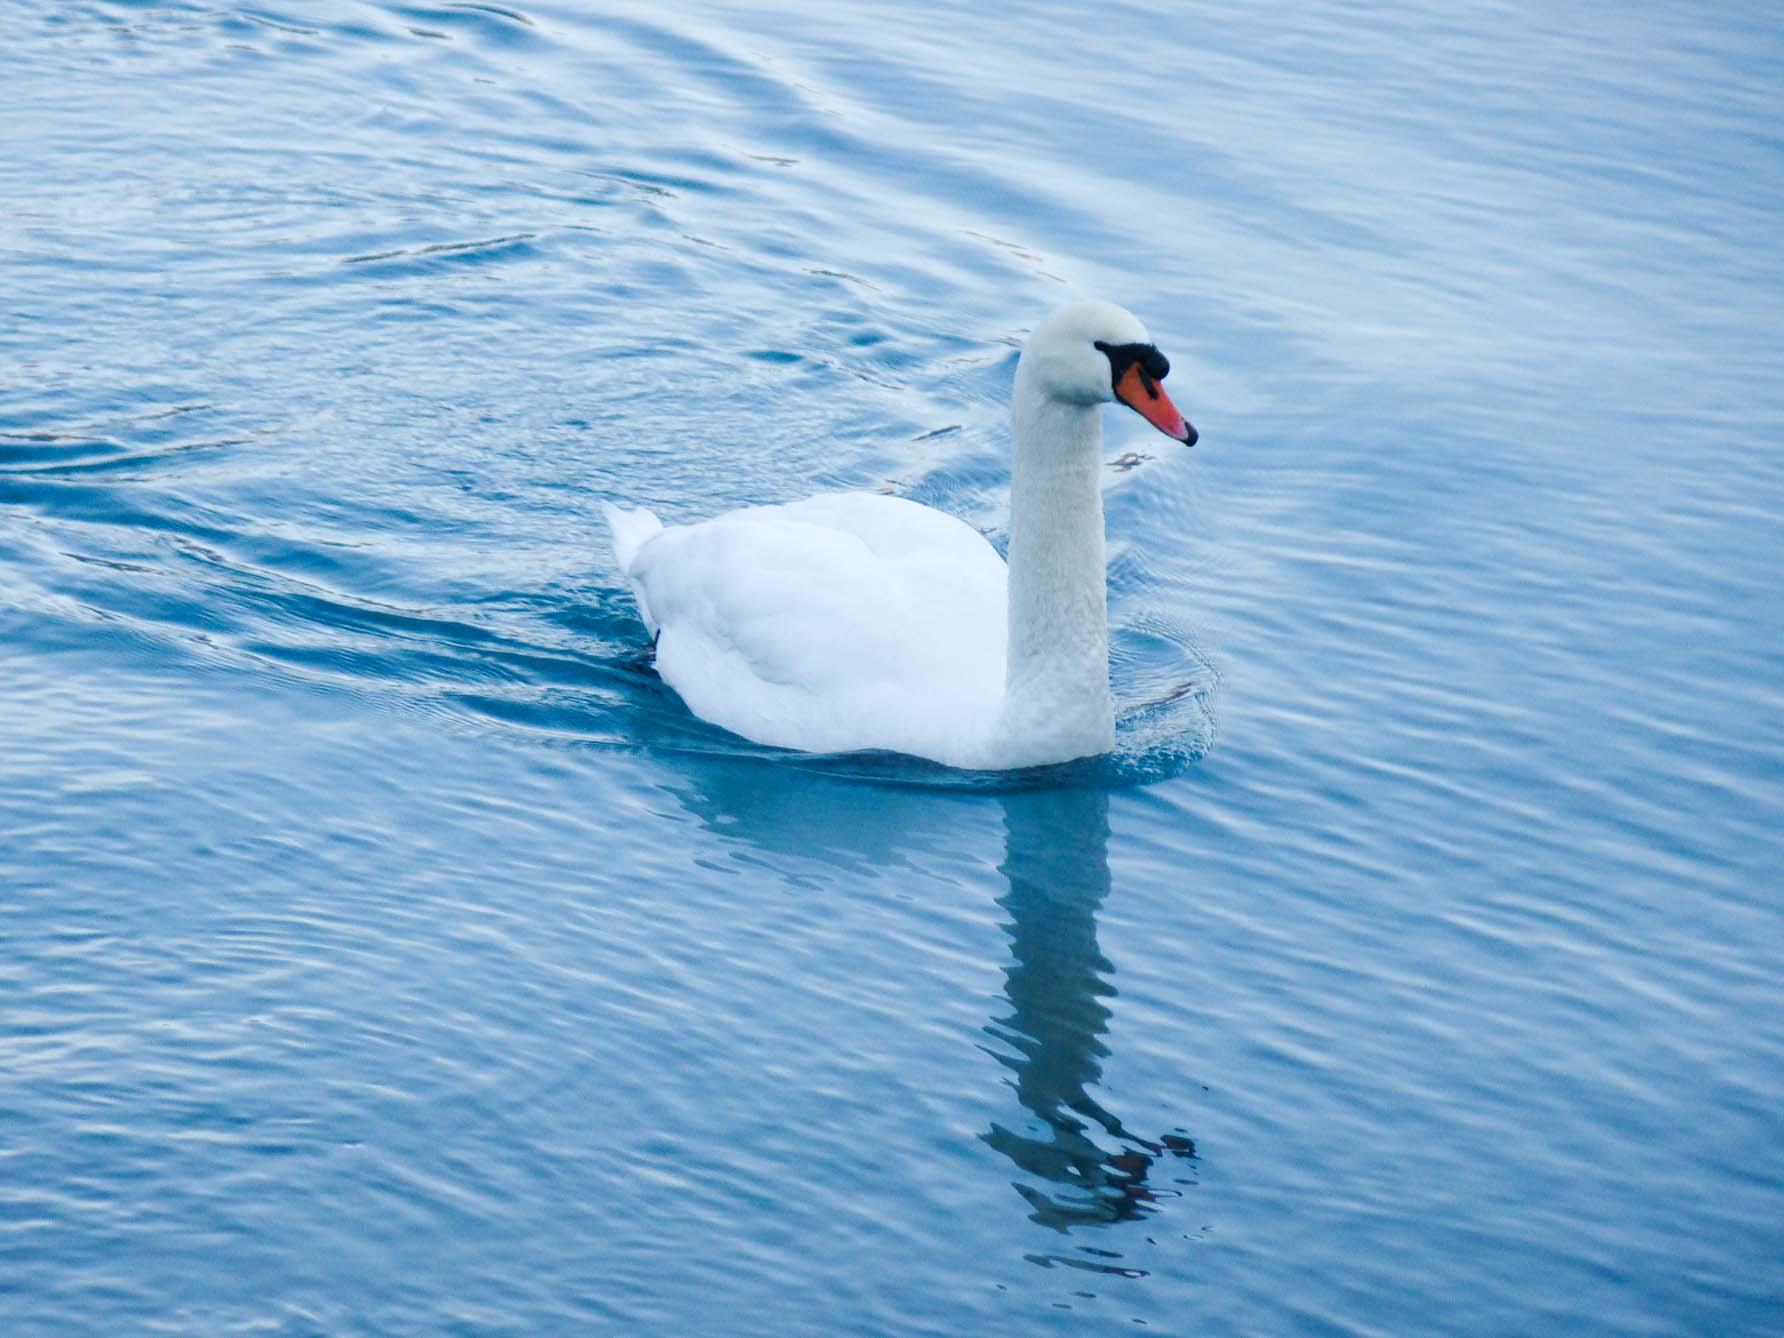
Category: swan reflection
[1083,1166]
[1079,1164]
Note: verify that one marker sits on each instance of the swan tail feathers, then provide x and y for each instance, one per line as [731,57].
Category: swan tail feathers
[632,528]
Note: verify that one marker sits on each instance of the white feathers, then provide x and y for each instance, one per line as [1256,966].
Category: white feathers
[843,622]
[631,529]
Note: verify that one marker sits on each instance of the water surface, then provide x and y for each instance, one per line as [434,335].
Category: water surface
[386,951]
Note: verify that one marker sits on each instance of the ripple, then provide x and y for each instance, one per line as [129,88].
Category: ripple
[420,259]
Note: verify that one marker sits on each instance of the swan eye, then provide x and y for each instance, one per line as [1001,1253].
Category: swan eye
[1152,363]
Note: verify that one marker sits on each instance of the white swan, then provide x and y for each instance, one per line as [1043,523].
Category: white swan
[851,621]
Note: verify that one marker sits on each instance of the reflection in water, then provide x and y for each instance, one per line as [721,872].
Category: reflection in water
[1057,862]
[1081,1167]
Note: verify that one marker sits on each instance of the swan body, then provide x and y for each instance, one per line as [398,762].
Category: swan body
[853,621]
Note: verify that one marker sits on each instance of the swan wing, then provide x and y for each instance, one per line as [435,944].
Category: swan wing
[837,623]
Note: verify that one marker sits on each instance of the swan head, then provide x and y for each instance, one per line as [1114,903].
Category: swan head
[1098,353]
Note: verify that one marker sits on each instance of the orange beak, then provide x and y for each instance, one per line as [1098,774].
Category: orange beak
[1146,397]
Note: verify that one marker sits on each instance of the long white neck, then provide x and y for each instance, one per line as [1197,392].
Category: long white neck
[1056,698]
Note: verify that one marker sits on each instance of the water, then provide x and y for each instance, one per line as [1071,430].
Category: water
[387,952]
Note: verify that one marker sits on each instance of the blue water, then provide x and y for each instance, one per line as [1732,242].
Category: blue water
[385,951]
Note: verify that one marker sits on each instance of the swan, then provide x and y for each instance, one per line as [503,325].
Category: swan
[854,621]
